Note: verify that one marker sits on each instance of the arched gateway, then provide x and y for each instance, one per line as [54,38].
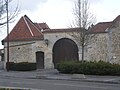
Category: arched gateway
[65,50]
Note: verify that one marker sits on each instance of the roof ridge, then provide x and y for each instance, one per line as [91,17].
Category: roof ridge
[66,28]
[116,19]
[28,26]
[104,22]
[46,25]
[39,25]
[33,24]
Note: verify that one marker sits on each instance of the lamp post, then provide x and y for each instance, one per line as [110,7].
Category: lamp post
[7,64]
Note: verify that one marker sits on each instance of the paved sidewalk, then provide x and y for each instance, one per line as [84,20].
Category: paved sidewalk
[53,74]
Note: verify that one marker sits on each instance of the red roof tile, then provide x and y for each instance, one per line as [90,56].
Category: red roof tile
[62,30]
[101,27]
[25,30]
[42,26]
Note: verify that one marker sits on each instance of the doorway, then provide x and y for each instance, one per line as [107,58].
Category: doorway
[40,60]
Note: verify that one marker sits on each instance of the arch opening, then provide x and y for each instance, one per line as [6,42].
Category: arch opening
[65,50]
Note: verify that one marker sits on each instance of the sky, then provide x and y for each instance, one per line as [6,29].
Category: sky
[59,13]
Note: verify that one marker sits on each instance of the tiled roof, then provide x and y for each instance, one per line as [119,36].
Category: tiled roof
[25,29]
[62,30]
[42,26]
[98,28]
[103,26]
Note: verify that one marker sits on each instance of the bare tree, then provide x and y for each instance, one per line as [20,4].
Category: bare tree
[6,16]
[3,11]
[83,20]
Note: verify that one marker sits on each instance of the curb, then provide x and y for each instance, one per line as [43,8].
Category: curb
[82,80]
[45,77]
[20,88]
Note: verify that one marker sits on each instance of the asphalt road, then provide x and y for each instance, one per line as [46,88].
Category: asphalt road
[56,84]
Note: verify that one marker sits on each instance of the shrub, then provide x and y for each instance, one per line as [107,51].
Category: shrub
[23,66]
[67,67]
[90,68]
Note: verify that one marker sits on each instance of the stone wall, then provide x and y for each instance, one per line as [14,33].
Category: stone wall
[41,46]
[52,38]
[98,50]
[25,51]
[20,51]
[114,39]
[106,46]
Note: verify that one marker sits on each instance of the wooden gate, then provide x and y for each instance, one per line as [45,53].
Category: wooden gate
[65,50]
[40,60]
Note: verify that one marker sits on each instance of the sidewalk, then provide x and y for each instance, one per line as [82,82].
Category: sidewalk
[55,75]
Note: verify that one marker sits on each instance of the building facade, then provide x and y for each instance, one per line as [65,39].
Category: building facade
[36,42]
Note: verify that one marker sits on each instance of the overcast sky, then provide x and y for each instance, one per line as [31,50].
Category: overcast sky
[58,13]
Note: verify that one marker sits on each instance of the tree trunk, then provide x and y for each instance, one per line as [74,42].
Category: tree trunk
[82,53]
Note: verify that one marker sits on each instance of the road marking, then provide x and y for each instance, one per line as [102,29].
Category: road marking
[95,87]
